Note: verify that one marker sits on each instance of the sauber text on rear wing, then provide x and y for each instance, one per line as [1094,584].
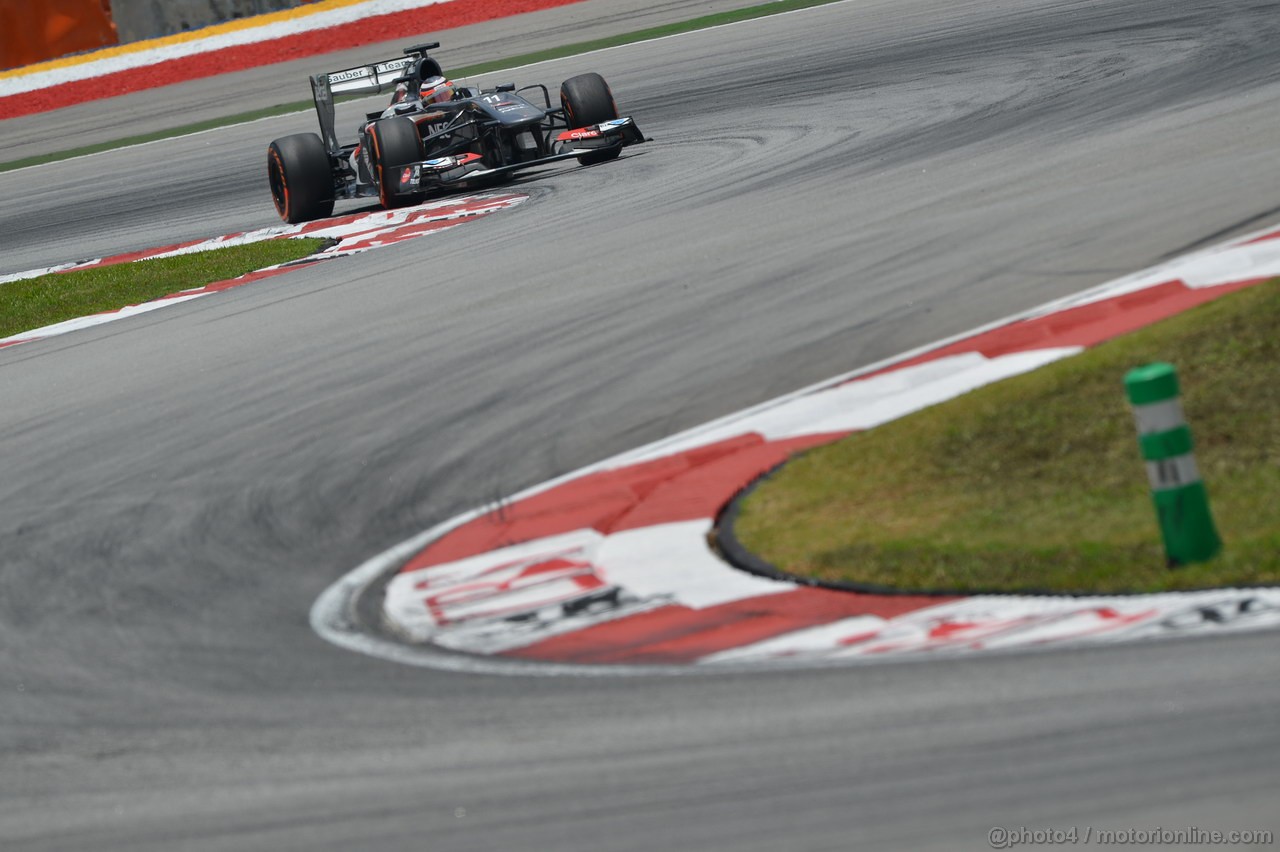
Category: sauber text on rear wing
[368,79]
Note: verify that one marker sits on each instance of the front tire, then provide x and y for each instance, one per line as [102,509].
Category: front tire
[587,100]
[301,178]
[395,141]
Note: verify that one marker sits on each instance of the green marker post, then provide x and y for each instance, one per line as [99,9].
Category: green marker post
[1181,501]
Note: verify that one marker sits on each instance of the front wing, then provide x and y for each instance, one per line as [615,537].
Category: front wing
[441,172]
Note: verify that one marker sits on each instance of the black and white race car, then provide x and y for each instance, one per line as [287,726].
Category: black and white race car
[436,135]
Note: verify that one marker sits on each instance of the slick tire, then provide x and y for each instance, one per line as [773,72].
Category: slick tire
[393,142]
[301,178]
[587,100]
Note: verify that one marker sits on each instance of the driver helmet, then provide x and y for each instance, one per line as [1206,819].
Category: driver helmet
[435,90]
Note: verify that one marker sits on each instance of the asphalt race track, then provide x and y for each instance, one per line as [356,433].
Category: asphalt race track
[824,189]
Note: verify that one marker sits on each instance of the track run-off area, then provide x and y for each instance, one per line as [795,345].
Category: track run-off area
[824,190]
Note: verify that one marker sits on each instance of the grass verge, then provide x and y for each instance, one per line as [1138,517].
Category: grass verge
[37,302]
[1036,484]
[775,8]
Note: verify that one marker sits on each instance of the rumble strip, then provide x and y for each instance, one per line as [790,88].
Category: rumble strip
[608,569]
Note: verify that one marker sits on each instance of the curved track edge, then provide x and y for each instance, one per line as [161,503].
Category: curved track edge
[611,568]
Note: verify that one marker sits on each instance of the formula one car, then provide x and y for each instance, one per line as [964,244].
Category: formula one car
[435,136]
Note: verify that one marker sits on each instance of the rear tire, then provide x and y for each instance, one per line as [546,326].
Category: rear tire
[587,100]
[395,141]
[301,178]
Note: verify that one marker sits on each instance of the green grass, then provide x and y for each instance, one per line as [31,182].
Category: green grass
[1035,483]
[774,8]
[37,302]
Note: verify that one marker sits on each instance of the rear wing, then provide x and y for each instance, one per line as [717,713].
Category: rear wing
[368,79]
[364,80]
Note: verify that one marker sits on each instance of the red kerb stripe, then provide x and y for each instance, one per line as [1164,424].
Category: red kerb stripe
[677,634]
[399,26]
